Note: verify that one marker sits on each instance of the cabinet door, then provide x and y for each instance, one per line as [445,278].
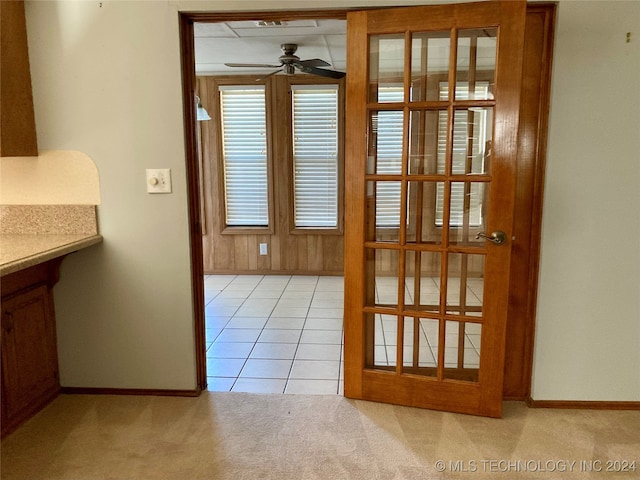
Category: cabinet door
[29,358]
[17,128]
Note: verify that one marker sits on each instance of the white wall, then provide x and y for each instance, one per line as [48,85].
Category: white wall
[588,321]
[106,81]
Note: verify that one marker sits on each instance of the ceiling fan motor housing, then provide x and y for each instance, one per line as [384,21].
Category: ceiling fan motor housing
[289,48]
[288,59]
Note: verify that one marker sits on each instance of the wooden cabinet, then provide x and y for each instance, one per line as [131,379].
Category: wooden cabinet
[17,121]
[29,353]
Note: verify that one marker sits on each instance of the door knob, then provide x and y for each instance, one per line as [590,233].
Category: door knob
[498,237]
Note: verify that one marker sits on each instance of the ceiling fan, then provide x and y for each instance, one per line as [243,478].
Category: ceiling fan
[289,62]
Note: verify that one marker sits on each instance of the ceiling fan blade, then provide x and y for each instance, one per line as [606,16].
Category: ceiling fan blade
[323,72]
[253,65]
[268,75]
[313,62]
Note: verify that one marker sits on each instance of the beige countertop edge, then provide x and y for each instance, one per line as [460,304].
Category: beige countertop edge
[18,252]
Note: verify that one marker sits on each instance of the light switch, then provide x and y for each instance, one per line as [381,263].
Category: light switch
[158,180]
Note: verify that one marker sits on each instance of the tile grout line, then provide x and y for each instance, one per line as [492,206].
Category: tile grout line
[286,383]
[261,330]
[231,318]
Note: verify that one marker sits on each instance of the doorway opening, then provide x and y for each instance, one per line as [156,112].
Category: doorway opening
[272,274]
[531,159]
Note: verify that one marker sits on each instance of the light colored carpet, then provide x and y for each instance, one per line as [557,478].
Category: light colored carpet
[247,436]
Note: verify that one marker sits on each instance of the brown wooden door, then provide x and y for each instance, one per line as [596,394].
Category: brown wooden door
[432,112]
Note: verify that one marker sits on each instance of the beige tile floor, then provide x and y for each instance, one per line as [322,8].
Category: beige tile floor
[274,334]
[283,334]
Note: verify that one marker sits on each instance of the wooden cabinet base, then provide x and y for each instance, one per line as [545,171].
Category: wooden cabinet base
[29,354]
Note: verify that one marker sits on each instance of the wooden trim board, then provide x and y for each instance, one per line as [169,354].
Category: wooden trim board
[129,391]
[583,404]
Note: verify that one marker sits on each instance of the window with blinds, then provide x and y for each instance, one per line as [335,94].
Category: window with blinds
[244,150]
[315,155]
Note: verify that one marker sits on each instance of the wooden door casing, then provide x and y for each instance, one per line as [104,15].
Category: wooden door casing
[532,147]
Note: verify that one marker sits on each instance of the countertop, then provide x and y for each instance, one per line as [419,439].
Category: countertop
[19,251]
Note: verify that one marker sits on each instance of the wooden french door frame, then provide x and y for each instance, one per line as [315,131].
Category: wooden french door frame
[531,168]
[400,35]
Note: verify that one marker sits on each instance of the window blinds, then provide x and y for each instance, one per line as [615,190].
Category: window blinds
[315,155]
[389,158]
[244,149]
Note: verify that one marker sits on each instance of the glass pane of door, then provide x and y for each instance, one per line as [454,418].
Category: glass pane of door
[430,55]
[427,194]
[476,64]
[386,67]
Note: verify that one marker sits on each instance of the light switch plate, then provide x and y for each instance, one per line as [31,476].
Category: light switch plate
[158,180]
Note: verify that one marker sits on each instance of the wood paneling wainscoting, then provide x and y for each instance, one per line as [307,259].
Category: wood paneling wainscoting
[290,250]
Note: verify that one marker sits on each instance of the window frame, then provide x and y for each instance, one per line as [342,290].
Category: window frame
[315,80]
[240,81]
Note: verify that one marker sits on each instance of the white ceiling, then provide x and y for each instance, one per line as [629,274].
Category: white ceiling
[250,42]
[246,42]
